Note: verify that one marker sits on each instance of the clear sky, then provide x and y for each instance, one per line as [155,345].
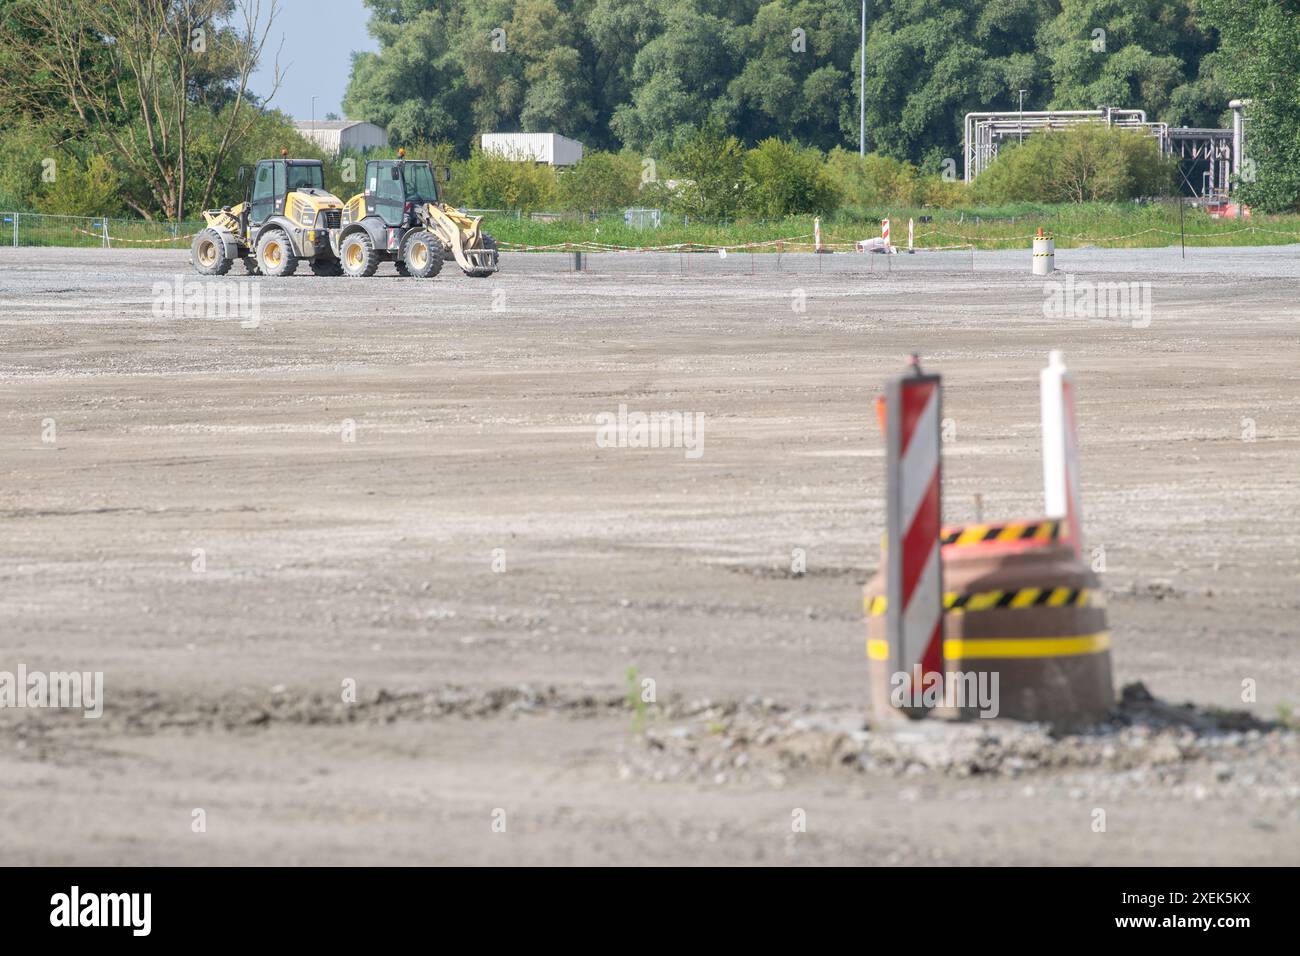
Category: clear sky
[319,39]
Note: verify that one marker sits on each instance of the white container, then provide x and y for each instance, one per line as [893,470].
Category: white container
[549,148]
[1044,256]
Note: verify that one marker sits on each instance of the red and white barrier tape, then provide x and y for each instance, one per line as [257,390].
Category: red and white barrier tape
[100,235]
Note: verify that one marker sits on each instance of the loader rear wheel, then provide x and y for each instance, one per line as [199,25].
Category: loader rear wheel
[326,267]
[422,255]
[400,266]
[250,265]
[208,253]
[358,256]
[275,256]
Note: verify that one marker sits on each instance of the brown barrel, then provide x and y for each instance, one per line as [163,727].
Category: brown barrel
[1018,604]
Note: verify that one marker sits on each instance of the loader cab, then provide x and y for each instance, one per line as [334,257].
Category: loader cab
[273,179]
[393,186]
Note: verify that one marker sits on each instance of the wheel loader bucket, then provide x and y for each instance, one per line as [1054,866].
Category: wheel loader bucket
[463,236]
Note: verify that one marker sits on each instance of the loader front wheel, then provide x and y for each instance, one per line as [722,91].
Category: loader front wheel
[208,253]
[250,265]
[358,256]
[275,256]
[422,255]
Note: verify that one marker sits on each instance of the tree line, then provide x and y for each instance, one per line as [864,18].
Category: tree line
[748,106]
[645,74]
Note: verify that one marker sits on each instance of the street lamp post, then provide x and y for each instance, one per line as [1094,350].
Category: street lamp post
[862,86]
[313,114]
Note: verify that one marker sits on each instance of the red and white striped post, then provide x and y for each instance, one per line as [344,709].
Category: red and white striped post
[884,233]
[1061,450]
[914,608]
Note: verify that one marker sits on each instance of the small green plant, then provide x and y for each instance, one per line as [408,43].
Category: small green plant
[634,700]
[1287,717]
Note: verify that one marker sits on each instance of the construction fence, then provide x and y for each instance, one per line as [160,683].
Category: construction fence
[944,246]
[700,261]
[40,229]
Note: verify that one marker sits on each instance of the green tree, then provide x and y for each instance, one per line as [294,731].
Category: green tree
[24,147]
[929,62]
[1128,53]
[1261,62]
[709,166]
[680,80]
[615,32]
[414,85]
[490,181]
[795,82]
[1087,163]
[786,179]
[557,97]
[82,189]
[874,181]
[601,181]
[137,80]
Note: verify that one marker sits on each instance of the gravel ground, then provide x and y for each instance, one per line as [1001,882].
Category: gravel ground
[396,486]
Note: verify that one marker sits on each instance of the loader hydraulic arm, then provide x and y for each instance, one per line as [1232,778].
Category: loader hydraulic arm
[462,235]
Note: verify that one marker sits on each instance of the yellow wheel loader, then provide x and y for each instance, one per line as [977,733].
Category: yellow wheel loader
[286,217]
[400,217]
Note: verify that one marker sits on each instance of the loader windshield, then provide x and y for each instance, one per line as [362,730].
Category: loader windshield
[305,176]
[418,178]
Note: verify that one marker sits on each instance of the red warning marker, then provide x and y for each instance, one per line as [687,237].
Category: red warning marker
[914,624]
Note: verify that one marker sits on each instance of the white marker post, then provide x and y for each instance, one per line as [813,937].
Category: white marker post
[817,234]
[1061,451]
[910,250]
[884,234]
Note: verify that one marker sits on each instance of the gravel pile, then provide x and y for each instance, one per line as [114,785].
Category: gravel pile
[1189,751]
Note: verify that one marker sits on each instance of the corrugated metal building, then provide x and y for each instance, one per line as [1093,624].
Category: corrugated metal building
[334,136]
[549,148]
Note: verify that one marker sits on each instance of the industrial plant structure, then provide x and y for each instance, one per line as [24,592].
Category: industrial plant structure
[1208,159]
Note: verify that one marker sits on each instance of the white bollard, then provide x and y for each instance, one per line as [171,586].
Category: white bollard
[910,250]
[1061,451]
[1044,255]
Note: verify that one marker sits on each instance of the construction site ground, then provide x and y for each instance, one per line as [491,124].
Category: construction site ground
[395,485]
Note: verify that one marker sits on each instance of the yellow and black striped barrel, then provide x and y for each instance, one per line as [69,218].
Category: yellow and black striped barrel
[1018,604]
